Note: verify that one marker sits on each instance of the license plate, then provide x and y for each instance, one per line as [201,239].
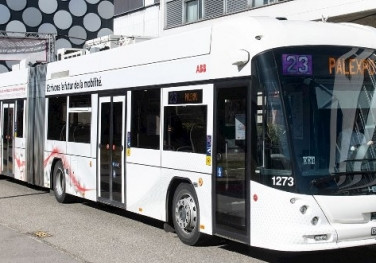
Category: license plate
[373,231]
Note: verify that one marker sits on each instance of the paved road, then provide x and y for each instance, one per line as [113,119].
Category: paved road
[35,228]
[20,248]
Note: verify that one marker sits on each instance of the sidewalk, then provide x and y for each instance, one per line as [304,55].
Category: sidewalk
[21,248]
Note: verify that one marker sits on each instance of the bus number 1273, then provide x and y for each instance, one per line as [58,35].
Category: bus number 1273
[283,181]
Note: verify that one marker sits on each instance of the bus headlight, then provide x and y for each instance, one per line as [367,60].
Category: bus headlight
[303,209]
[315,220]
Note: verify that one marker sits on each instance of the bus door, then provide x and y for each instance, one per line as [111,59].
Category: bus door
[7,138]
[230,183]
[111,161]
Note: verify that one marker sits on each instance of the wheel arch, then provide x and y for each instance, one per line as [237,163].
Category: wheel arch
[175,182]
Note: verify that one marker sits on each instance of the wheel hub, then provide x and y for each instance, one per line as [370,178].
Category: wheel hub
[59,182]
[186,213]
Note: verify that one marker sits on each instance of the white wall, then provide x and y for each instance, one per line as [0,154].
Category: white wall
[292,10]
[315,9]
[149,21]
[141,23]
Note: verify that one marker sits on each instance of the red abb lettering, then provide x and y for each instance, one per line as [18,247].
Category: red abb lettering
[201,68]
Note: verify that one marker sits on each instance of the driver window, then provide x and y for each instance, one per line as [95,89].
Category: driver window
[272,146]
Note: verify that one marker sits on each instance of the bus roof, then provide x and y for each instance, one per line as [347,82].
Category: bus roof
[254,34]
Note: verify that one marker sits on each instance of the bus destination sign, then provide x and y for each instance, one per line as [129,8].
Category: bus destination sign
[351,66]
[297,64]
[185,97]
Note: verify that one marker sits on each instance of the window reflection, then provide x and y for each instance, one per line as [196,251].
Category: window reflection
[57,112]
[145,118]
[185,128]
[79,118]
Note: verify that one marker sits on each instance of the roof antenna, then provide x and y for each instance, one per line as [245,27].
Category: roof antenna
[324,18]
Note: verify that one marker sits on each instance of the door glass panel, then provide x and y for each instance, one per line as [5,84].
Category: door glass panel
[112,149]
[8,113]
[105,152]
[117,151]
[5,140]
[10,140]
[20,118]
[231,155]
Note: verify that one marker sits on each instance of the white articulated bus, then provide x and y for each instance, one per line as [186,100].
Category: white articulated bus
[259,130]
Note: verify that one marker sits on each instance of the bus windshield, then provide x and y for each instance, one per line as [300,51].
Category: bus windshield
[327,108]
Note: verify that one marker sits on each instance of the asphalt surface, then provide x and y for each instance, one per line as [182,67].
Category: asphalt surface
[84,231]
[35,228]
[20,248]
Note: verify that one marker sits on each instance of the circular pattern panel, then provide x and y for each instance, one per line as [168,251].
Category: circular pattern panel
[62,43]
[78,7]
[92,22]
[16,5]
[76,20]
[77,35]
[104,32]
[32,17]
[106,9]
[92,1]
[4,14]
[63,19]
[48,6]
[3,69]
[47,28]
[16,26]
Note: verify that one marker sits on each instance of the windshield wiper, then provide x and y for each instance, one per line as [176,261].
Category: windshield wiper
[320,181]
[359,160]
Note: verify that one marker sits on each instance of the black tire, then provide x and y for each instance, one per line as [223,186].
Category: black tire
[59,183]
[185,214]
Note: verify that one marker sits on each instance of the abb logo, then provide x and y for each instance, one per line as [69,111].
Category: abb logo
[201,68]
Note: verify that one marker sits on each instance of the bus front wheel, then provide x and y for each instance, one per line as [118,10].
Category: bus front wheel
[185,214]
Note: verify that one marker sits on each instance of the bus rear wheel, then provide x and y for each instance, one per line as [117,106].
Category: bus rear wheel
[59,183]
[185,214]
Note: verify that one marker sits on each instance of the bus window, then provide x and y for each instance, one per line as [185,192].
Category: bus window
[57,112]
[271,127]
[145,118]
[79,118]
[20,118]
[185,128]
[272,156]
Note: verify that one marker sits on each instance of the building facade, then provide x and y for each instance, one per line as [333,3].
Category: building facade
[154,18]
[71,21]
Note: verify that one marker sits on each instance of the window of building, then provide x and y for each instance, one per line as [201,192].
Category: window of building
[124,6]
[192,10]
[257,3]
[213,8]
[185,128]
[233,6]
[57,116]
[145,118]
[20,118]
[174,13]
[79,118]
[179,12]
